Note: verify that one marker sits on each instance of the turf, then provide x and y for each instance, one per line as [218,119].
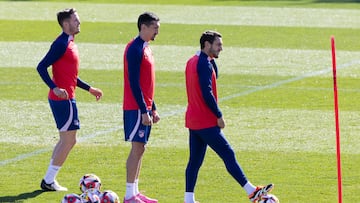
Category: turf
[275,91]
[238,36]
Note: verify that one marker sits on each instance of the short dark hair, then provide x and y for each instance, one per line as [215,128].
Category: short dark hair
[147,18]
[64,15]
[208,36]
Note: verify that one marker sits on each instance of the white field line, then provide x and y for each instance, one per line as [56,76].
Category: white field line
[183,14]
[279,83]
[233,60]
[180,110]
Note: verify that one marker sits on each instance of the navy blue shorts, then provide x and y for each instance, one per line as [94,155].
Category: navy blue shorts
[65,114]
[134,130]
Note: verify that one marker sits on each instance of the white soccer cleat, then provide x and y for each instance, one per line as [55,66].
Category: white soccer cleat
[52,186]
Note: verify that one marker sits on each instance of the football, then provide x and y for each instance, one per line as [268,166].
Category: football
[269,198]
[89,181]
[109,196]
[91,195]
[71,198]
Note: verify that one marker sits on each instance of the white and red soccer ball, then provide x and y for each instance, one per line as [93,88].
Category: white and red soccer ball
[269,198]
[90,185]
[71,198]
[109,196]
[89,181]
[91,195]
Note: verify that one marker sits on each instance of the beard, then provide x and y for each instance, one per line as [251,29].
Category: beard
[214,53]
[153,38]
[75,30]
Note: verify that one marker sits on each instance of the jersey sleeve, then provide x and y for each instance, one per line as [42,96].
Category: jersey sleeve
[153,106]
[204,70]
[57,49]
[134,57]
[215,68]
[82,84]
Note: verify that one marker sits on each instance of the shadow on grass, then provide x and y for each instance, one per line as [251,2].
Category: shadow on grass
[21,197]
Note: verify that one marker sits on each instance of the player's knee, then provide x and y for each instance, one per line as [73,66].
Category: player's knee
[228,155]
[74,141]
[138,148]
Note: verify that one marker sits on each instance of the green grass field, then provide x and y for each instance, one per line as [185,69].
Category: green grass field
[275,91]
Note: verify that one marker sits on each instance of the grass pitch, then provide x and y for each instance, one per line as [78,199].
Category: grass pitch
[275,91]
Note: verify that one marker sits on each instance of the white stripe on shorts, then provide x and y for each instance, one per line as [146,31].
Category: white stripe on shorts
[70,119]
[136,127]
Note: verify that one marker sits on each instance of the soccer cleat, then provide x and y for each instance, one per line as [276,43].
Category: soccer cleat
[195,202]
[134,199]
[52,186]
[260,191]
[146,199]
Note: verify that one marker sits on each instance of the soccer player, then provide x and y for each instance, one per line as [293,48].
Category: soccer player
[64,59]
[138,102]
[204,119]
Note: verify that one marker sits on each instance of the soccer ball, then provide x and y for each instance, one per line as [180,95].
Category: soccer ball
[71,198]
[109,196]
[269,198]
[89,181]
[91,195]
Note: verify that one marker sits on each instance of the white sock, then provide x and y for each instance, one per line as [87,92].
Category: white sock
[249,188]
[51,173]
[137,186]
[130,190]
[189,197]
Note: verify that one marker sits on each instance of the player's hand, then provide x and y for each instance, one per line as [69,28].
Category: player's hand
[61,93]
[146,119]
[221,122]
[96,92]
[155,117]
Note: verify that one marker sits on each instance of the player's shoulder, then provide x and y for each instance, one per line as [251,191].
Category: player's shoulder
[137,43]
[135,47]
[61,41]
[203,60]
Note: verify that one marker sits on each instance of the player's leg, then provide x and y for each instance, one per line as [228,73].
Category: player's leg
[133,162]
[66,118]
[217,141]
[63,147]
[197,150]
[138,135]
[138,194]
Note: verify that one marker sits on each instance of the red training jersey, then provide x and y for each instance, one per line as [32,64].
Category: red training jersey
[198,114]
[139,76]
[65,71]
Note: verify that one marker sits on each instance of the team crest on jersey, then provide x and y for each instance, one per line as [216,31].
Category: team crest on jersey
[141,133]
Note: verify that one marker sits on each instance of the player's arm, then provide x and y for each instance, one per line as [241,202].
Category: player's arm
[153,106]
[215,68]
[205,73]
[82,84]
[156,116]
[134,57]
[57,49]
[85,86]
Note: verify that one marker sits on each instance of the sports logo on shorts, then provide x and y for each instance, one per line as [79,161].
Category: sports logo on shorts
[141,133]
